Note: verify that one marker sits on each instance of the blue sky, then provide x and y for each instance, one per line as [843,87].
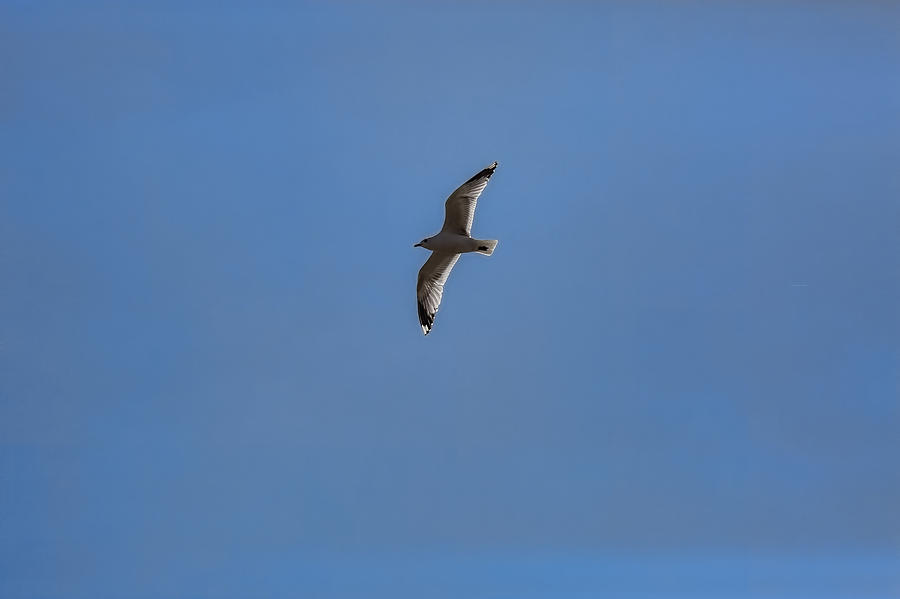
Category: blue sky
[685,347]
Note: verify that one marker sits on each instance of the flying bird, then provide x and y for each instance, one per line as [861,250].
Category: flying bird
[455,238]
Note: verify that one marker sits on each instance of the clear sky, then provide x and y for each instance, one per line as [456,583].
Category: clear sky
[676,376]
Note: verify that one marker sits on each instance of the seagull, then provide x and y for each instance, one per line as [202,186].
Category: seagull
[455,238]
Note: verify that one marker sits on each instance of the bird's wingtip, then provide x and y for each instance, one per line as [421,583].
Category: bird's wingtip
[484,173]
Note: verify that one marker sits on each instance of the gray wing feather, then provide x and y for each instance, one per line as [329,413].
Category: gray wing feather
[430,286]
[459,210]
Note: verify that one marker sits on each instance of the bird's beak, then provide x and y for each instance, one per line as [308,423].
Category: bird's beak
[418,245]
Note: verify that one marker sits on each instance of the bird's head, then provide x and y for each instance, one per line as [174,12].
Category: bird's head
[423,243]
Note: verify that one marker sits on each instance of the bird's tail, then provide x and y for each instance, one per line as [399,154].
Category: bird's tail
[486,246]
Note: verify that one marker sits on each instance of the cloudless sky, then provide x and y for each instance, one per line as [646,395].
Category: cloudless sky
[676,376]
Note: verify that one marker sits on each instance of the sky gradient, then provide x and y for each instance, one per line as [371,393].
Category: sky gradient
[677,374]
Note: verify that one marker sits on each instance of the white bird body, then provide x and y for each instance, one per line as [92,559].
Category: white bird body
[453,240]
[455,243]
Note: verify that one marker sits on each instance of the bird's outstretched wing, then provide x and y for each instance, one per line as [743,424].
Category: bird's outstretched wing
[430,286]
[460,206]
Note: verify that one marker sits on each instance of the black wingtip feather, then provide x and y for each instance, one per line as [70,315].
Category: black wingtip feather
[486,173]
[425,319]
